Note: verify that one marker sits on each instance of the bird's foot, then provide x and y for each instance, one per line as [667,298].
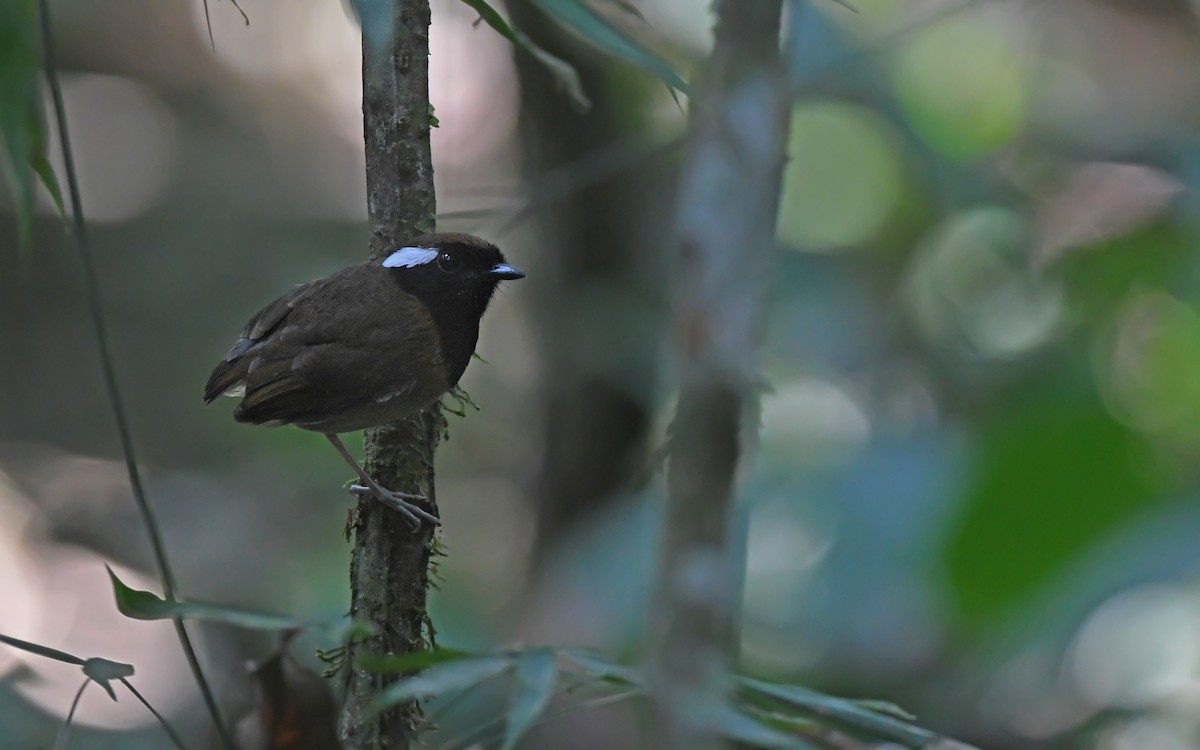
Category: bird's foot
[398,501]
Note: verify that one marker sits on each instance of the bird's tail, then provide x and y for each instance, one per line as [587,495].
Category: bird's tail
[225,379]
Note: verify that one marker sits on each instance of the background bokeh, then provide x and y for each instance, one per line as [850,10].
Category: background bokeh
[973,490]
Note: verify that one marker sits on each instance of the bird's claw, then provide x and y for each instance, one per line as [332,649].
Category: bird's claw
[398,501]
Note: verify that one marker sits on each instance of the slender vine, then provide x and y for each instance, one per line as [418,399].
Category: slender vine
[100,328]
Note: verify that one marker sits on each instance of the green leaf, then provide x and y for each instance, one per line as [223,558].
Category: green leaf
[21,133]
[442,679]
[41,165]
[743,729]
[887,708]
[844,712]
[40,650]
[143,605]
[139,605]
[563,72]
[629,8]
[411,662]
[537,671]
[1053,476]
[597,667]
[578,17]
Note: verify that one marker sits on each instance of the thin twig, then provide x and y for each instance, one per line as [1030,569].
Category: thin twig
[208,23]
[92,289]
[175,739]
[64,732]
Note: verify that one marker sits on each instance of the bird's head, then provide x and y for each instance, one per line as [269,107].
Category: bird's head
[445,271]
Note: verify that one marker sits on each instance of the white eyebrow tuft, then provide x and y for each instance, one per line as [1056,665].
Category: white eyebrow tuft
[407,257]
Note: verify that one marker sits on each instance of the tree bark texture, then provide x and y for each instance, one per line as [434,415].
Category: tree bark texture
[389,569]
[725,231]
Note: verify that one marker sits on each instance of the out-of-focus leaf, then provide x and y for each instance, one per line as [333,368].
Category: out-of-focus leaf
[377,18]
[21,132]
[537,671]
[953,114]
[294,708]
[96,669]
[105,669]
[41,166]
[887,708]
[348,629]
[627,7]
[1147,373]
[40,650]
[1100,279]
[442,679]
[564,73]
[842,712]
[595,666]
[737,726]
[398,663]
[1054,476]
[578,17]
[101,671]
[143,605]
[1097,201]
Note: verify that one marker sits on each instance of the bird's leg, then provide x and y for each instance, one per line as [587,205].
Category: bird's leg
[397,501]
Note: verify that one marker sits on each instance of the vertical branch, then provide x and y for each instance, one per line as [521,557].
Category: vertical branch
[725,229]
[389,566]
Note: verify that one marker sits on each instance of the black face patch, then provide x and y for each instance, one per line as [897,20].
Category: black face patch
[456,284]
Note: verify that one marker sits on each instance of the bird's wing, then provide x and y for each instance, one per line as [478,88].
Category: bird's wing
[319,356]
[229,376]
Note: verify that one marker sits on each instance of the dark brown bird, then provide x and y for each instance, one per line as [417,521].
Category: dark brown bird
[365,346]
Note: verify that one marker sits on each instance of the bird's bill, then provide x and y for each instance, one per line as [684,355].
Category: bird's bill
[505,271]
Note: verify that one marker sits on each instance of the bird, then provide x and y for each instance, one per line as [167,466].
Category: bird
[365,346]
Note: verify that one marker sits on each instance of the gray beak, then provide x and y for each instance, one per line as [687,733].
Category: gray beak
[505,271]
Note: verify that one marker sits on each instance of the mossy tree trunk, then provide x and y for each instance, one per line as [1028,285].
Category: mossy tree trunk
[389,570]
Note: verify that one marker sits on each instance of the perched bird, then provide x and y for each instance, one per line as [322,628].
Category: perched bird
[367,345]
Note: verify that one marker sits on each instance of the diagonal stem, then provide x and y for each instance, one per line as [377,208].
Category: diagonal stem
[171,733]
[100,327]
[64,732]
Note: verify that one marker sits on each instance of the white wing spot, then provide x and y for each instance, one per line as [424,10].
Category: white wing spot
[237,391]
[407,257]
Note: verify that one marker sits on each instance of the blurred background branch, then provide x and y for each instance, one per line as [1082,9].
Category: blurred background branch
[725,228]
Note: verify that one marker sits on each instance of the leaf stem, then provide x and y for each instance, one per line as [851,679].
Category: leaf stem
[175,739]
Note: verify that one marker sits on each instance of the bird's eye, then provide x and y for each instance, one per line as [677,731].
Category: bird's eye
[449,263]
